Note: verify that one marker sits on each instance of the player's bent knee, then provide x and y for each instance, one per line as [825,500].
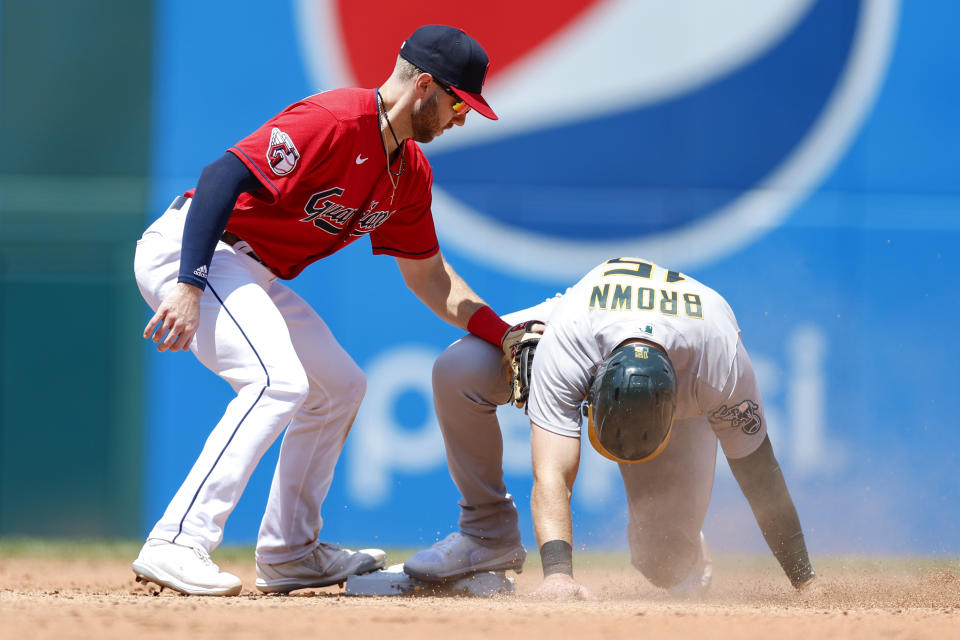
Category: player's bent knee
[344,392]
[665,560]
[661,572]
[353,384]
[469,365]
[288,385]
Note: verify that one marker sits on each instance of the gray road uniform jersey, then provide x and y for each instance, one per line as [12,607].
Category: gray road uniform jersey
[630,298]
[620,299]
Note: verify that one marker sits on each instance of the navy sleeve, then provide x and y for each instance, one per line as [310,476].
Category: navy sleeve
[221,183]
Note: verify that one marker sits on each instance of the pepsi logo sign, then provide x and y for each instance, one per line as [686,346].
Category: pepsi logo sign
[678,131]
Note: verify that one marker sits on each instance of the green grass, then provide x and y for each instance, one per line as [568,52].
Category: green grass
[50,548]
[125,550]
[122,549]
[128,549]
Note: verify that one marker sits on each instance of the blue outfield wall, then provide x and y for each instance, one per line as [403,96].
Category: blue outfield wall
[802,161]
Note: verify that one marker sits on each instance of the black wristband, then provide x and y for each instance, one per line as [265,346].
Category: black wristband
[556,557]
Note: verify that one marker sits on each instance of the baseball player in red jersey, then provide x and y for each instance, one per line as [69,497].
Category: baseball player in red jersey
[321,174]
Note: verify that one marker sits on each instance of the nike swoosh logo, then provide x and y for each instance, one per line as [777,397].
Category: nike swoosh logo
[361,159]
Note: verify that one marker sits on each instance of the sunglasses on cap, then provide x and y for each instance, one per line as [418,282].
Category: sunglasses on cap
[460,106]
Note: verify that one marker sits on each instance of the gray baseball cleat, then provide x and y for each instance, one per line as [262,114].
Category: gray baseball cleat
[698,581]
[460,555]
[188,570]
[326,565]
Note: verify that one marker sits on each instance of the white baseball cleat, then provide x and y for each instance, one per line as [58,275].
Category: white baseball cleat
[460,555]
[188,570]
[326,565]
[698,581]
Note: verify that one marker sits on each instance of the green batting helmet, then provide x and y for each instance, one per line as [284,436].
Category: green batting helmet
[631,403]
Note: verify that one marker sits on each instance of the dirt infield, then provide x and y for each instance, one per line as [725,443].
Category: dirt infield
[90,593]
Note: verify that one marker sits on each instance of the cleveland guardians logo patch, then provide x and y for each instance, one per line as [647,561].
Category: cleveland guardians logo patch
[282,153]
[744,416]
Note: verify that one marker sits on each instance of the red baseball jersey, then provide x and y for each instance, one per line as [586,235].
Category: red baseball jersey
[325,184]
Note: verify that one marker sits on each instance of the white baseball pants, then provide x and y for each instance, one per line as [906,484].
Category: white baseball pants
[287,370]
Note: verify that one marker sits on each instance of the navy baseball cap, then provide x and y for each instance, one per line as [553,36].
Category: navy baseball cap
[453,58]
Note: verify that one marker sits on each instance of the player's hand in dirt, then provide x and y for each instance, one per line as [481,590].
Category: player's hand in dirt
[560,586]
[177,318]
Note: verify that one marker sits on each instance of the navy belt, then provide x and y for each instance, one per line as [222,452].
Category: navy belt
[232,239]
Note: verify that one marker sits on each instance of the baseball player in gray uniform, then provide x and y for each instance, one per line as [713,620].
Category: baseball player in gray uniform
[655,361]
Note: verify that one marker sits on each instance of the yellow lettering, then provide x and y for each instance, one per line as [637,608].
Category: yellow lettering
[598,299]
[692,305]
[668,302]
[621,297]
[645,297]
